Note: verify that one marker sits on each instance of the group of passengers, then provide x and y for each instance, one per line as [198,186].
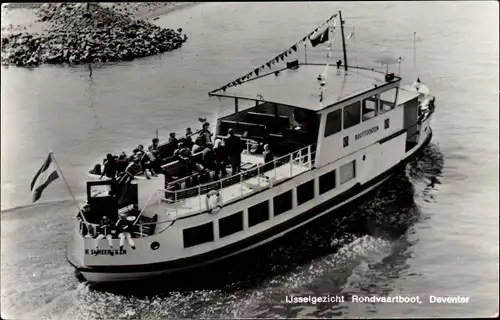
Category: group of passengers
[215,156]
[107,229]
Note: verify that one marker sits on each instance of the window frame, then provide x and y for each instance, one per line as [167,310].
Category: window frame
[341,169]
[276,200]
[376,100]
[345,110]
[335,130]
[251,213]
[227,218]
[190,229]
[299,193]
[325,176]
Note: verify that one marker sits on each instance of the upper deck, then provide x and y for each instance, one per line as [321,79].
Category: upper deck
[300,88]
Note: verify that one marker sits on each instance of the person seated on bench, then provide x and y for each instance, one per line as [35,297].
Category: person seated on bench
[197,146]
[154,147]
[124,226]
[105,231]
[151,163]
[183,154]
[234,147]
[205,135]
[133,169]
[221,156]
[110,167]
[209,160]
[171,145]
[122,162]
[189,140]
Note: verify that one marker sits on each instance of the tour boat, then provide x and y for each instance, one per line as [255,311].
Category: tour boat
[336,133]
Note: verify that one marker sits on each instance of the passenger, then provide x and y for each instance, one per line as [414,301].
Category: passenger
[122,162]
[140,149]
[197,146]
[96,169]
[182,153]
[221,156]
[153,163]
[209,160]
[110,167]
[133,169]
[234,147]
[268,155]
[105,227]
[268,158]
[189,140]
[124,226]
[154,147]
[171,144]
[205,135]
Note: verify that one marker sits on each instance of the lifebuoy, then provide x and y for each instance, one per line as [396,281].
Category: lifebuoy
[213,201]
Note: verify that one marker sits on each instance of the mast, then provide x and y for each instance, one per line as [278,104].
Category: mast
[343,40]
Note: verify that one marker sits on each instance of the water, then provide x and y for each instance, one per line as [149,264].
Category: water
[432,230]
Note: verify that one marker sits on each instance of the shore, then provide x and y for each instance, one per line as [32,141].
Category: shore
[37,29]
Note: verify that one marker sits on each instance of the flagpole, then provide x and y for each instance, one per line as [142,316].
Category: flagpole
[67,185]
[305,51]
[343,40]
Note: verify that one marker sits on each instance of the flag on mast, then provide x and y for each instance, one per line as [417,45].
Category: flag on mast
[320,37]
[45,175]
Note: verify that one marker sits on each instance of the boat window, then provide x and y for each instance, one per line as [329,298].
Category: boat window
[231,224]
[388,100]
[333,122]
[370,109]
[327,182]
[258,213]
[198,235]
[282,202]
[305,192]
[352,114]
[347,171]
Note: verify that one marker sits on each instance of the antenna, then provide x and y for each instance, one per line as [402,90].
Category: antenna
[343,40]
[414,51]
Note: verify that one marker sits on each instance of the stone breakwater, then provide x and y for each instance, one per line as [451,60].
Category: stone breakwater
[78,33]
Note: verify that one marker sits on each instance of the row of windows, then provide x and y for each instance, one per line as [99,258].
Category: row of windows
[260,212]
[359,111]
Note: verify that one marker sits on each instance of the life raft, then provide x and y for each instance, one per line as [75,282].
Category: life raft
[213,201]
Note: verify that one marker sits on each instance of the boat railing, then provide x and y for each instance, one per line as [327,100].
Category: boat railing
[170,201]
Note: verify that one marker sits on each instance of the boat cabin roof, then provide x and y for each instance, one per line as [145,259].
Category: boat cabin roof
[299,87]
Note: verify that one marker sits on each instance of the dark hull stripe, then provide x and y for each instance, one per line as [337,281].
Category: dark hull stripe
[255,239]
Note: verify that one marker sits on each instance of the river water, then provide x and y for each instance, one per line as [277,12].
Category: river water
[431,230]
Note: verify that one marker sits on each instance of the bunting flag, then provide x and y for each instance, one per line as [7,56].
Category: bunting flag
[256,71]
[238,81]
[277,59]
[294,47]
[320,38]
[45,175]
[268,64]
[281,57]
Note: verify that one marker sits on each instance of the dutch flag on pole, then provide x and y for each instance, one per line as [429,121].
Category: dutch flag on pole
[44,176]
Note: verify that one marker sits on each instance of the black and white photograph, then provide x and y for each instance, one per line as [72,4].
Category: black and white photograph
[244,160]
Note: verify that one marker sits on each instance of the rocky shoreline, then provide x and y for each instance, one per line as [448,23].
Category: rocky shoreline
[79,33]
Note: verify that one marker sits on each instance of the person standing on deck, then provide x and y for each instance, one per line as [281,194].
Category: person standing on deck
[221,156]
[234,147]
[205,135]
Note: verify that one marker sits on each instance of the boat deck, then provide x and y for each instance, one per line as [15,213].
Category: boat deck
[168,210]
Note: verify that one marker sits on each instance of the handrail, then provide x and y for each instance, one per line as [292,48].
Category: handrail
[301,156]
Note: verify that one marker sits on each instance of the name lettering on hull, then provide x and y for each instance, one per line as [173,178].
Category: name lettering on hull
[105,252]
[366,132]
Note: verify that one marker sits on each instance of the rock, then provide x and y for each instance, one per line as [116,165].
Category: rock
[79,33]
